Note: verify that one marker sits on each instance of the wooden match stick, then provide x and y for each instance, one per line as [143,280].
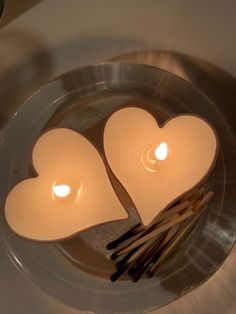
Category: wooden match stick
[156,232]
[144,250]
[173,210]
[175,241]
[137,272]
[176,209]
[143,260]
[136,229]
[126,259]
[121,270]
[194,193]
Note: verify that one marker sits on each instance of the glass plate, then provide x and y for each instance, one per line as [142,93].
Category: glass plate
[81,100]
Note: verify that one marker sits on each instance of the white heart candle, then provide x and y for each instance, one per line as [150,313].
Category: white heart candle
[71,193]
[156,165]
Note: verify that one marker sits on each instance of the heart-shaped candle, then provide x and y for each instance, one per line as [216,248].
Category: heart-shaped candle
[71,193]
[156,165]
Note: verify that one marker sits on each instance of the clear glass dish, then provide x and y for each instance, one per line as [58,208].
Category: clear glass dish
[81,100]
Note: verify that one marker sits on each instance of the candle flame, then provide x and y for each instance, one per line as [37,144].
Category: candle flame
[161,151]
[62,190]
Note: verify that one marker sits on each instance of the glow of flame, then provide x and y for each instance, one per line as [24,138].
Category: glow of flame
[161,151]
[62,190]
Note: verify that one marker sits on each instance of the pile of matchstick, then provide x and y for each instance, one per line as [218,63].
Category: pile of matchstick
[141,251]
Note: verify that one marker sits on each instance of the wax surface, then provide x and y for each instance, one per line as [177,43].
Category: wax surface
[132,139]
[71,193]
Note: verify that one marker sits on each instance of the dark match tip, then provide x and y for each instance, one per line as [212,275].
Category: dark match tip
[121,264]
[114,256]
[111,245]
[115,276]
[149,273]
[124,237]
[136,272]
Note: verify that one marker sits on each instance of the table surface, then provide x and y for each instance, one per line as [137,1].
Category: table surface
[75,33]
